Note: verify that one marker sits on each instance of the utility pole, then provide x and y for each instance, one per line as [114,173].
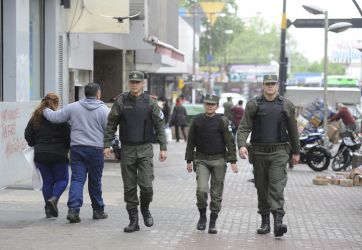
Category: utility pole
[283,59]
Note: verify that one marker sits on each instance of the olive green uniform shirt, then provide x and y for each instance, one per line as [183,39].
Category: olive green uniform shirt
[115,116]
[246,124]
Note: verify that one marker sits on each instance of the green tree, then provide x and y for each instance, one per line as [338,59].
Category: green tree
[258,43]
[254,41]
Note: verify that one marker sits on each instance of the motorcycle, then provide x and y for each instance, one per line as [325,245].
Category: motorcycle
[343,158]
[313,153]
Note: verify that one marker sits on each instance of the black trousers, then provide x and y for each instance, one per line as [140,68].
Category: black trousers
[178,134]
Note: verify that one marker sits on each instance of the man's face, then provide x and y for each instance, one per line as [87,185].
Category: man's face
[210,108]
[270,88]
[135,87]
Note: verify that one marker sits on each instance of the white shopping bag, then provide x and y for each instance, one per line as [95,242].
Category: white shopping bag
[168,134]
[36,178]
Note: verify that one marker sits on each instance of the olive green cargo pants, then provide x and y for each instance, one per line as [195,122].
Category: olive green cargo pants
[217,170]
[137,169]
[270,175]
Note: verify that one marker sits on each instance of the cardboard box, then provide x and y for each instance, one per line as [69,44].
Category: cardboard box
[357,180]
[346,183]
[332,132]
[317,181]
[335,181]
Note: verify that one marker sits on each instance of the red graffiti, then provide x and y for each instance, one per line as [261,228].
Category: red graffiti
[14,146]
[8,122]
[9,115]
[8,130]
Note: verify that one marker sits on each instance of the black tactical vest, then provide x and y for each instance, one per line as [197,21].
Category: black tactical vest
[209,134]
[270,122]
[136,124]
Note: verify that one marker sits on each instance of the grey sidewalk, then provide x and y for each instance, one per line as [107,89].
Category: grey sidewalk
[318,217]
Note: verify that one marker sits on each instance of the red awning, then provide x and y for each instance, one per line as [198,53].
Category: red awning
[168,50]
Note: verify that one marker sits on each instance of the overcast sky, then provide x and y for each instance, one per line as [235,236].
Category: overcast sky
[310,41]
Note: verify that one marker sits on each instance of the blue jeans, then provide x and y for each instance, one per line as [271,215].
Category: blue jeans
[55,178]
[86,160]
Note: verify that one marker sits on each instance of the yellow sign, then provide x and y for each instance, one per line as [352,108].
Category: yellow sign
[181,84]
[211,10]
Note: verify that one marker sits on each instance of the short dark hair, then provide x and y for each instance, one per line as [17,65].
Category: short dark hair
[91,89]
[240,102]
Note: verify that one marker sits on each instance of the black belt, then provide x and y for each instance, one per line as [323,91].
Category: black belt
[269,148]
[202,156]
[134,143]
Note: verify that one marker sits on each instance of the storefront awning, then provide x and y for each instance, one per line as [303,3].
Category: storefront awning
[166,49]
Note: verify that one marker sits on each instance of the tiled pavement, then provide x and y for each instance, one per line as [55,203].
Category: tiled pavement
[318,217]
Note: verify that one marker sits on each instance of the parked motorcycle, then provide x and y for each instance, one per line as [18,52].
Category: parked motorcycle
[343,158]
[313,153]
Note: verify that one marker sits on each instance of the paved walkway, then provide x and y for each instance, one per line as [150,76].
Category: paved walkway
[318,217]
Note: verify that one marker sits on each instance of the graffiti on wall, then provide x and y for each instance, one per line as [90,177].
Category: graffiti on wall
[12,142]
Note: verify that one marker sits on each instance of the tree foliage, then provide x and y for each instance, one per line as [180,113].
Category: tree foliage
[253,41]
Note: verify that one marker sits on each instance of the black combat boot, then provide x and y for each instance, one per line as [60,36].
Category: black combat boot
[133,221]
[212,227]
[147,217]
[99,215]
[52,204]
[47,211]
[73,216]
[265,225]
[201,224]
[279,227]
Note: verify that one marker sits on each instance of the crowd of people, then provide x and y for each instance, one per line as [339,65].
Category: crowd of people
[86,129]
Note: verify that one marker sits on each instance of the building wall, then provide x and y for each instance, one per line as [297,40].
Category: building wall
[14,117]
[16,50]
[108,72]
[17,108]
[163,20]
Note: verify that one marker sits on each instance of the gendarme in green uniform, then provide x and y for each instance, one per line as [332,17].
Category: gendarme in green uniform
[215,146]
[140,121]
[274,134]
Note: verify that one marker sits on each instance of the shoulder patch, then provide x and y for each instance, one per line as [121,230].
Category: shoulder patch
[162,116]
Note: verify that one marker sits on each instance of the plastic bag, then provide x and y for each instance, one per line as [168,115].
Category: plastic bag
[36,177]
[168,134]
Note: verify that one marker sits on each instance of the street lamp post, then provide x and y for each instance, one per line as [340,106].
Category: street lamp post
[359,47]
[337,27]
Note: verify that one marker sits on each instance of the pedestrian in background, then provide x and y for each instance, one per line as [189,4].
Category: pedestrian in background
[347,119]
[271,120]
[237,112]
[51,147]
[178,119]
[165,110]
[209,134]
[139,119]
[227,108]
[88,118]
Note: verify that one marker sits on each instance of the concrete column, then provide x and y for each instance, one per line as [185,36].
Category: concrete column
[16,73]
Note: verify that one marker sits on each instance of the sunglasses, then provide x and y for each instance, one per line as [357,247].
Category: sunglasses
[210,104]
[270,83]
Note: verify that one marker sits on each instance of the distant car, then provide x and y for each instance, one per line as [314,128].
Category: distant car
[235,99]
[192,110]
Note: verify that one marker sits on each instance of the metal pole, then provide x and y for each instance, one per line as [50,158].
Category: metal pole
[209,59]
[124,54]
[194,45]
[325,97]
[282,59]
